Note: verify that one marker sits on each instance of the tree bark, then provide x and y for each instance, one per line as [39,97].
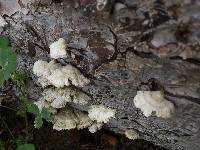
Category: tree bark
[123,52]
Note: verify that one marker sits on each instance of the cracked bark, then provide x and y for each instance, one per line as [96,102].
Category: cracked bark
[119,60]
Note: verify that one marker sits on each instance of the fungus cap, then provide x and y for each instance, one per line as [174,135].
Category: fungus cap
[153,102]
[59,97]
[58,49]
[53,73]
[101,113]
[131,134]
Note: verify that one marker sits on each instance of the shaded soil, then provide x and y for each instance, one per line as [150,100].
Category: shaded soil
[83,140]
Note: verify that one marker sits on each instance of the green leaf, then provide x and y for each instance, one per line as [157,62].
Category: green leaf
[4,41]
[32,108]
[8,63]
[38,122]
[8,59]
[26,147]
[45,114]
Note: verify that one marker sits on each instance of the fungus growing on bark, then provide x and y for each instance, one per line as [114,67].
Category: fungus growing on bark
[59,97]
[58,49]
[83,120]
[68,119]
[131,134]
[43,68]
[95,126]
[153,102]
[100,113]
[53,73]
[64,120]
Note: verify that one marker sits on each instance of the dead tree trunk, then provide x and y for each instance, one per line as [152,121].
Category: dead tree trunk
[147,45]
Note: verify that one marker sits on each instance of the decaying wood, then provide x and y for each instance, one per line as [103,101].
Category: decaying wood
[148,45]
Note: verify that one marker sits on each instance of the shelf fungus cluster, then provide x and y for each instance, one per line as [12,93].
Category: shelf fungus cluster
[57,75]
[64,83]
[59,97]
[69,118]
[153,102]
[100,114]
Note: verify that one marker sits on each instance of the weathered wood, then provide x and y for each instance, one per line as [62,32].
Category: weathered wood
[118,54]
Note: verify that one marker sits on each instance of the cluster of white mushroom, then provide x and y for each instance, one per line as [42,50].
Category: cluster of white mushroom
[69,118]
[57,75]
[153,102]
[100,114]
[62,93]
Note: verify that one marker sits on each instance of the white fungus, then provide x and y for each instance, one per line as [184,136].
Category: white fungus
[53,73]
[83,120]
[59,97]
[43,68]
[58,49]
[131,134]
[95,126]
[64,120]
[153,102]
[54,98]
[63,76]
[68,119]
[100,113]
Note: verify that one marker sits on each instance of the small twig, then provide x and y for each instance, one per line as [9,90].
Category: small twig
[8,107]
